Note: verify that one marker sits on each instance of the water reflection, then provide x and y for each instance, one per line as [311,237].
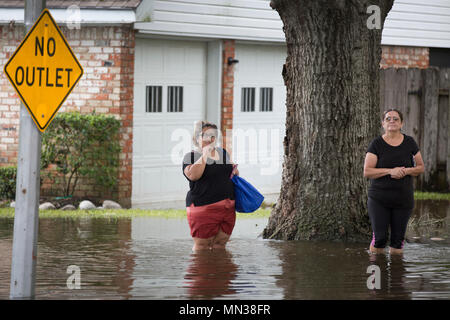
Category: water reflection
[210,274]
[339,271]
[430,220]
[323,270]
[393,282]
[151,258]
[100,248]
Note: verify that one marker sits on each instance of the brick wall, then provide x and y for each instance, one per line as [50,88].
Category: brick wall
[107,57]
[9,102]
[404,57]
[226,118]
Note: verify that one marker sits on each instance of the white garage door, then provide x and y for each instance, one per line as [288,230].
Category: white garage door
[259,115]
[169,95]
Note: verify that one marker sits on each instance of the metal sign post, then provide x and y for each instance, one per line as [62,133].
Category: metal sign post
[43,70]
[24,254]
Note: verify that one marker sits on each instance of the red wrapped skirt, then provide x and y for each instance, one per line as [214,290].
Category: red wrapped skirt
[206,221]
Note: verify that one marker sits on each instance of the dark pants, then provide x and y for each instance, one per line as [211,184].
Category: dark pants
[381,218]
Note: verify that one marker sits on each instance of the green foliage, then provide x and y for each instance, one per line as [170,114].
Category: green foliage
[82,146]
[8,183]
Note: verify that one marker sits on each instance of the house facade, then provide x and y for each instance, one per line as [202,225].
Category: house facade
[161,65]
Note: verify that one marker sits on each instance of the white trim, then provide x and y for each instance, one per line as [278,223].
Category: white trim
[214,82]
[211,32]
[88,16]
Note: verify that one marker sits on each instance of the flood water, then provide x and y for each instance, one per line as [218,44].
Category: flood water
[151,258]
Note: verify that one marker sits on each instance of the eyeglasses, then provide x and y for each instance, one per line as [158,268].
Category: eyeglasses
[388,119]
[208,135]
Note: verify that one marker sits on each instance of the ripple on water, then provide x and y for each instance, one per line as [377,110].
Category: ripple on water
[151,258]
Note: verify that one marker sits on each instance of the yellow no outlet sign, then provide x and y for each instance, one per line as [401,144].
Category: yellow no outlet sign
[43,70]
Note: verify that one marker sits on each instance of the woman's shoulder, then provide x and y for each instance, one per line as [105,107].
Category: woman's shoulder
[194,152]
[411,143]
[408,138]
[191,157]
[223,151]
[378,138]
[375,141]
[375,146]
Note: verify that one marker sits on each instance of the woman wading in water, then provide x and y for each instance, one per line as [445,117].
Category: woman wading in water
[391,161]
[210,201]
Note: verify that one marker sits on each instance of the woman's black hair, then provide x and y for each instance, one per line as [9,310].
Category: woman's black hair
[208,125]
[392,109]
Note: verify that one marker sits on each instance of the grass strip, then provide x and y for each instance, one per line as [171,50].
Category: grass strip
[123,213]
[173,213]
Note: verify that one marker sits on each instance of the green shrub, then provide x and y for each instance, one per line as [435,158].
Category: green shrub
[82,146]
[8,183]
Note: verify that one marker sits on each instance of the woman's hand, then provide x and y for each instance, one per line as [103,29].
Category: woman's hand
[235,171]
[206,151]
[398,172]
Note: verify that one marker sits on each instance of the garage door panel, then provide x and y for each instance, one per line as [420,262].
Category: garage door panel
[261,157]
[151,181]
[195,97]
[174,181]
[139,99]
[170,56]
[264,61]
[152,141]
[263,176]
[136,174]
[161,138]
[154,60]
[174,135]
[195,67]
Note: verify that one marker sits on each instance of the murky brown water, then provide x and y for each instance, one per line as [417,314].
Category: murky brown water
[151,258]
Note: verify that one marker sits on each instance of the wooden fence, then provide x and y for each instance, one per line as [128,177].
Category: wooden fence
[423,97]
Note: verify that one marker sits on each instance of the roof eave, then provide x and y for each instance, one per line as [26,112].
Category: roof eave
[83,16]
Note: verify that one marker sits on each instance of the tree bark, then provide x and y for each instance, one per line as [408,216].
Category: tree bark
[332,113]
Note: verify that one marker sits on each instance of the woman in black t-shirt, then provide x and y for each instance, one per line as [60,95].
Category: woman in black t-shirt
[210,202]
[391,161]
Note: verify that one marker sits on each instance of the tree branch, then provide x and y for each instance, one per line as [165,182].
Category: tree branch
[274,4]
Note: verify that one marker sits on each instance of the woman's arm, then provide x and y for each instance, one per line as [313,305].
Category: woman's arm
[195,171]
[229,161]
[374,173]
[419,168]
[235,171]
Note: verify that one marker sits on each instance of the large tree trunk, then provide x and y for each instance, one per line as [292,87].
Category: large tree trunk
[332,80]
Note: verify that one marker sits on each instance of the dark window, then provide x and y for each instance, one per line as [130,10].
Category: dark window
[174,99]
[266,99]
[440,57]
[248,100]
[153,99]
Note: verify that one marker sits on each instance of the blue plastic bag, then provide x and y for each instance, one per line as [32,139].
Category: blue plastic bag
[247,198]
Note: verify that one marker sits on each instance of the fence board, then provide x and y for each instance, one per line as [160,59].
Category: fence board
[395,88]
[383,76]
[412,113]
[422,95]
[444,87]
[430,101]
[442,128]
[444,83]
